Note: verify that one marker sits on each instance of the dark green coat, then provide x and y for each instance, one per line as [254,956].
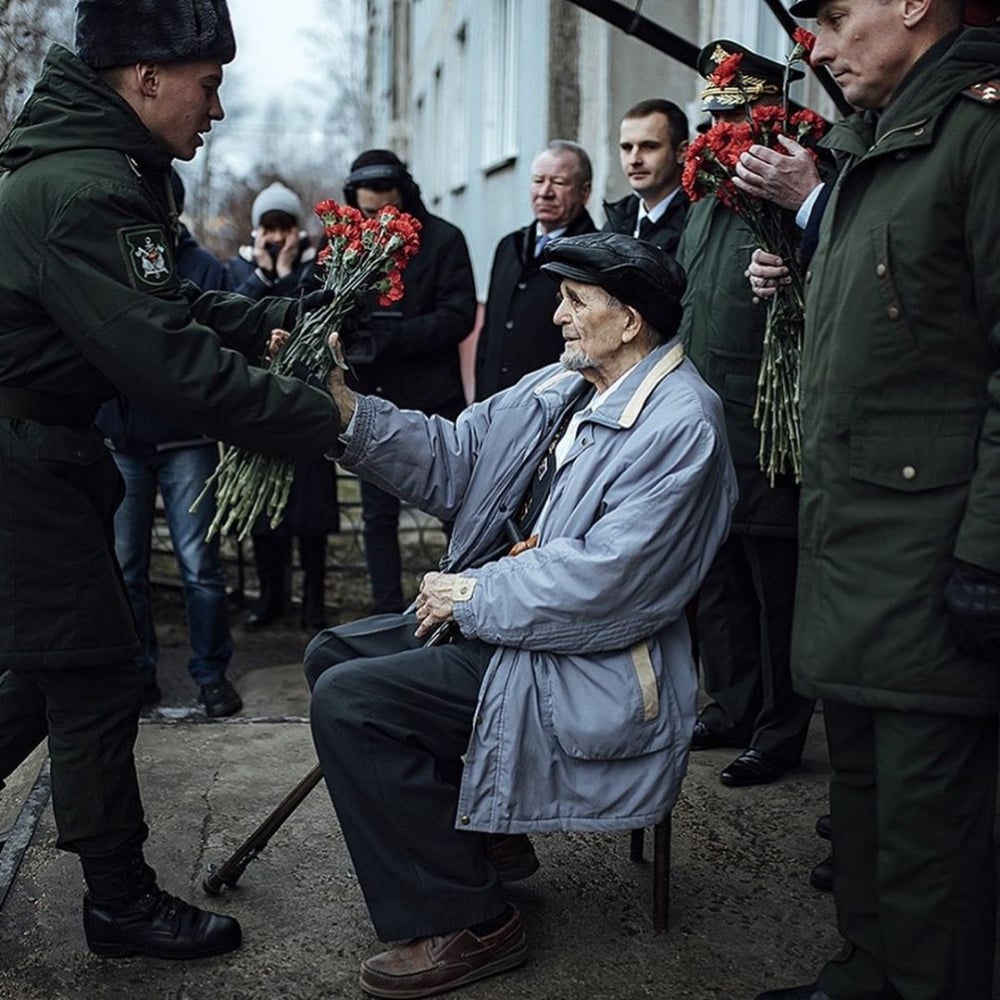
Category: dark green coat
[90,307]
[901,395]
[723,333]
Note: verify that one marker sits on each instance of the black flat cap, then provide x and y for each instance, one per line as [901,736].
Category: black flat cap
[634,272]
[757,76]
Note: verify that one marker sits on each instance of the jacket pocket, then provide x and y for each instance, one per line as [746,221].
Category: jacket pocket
[607,708]
[69,445]
[913,452]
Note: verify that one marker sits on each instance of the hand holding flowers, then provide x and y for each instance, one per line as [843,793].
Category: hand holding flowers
[728,162]
[361,255]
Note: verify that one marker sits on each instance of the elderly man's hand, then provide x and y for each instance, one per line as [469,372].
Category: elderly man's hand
[342,396]
[435,602]
[785,180]
[766,272]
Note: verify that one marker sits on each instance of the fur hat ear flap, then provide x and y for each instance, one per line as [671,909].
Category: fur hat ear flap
[123,32]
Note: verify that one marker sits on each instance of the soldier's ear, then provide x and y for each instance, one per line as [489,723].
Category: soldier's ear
[148,76]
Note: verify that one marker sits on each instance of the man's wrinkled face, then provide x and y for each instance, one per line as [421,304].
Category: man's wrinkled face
[370,202]
[591,327]
[649,158]
[186,104]
[865,45]
[557,192]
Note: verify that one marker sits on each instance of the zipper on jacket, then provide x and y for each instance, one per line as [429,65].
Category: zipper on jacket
[893,131]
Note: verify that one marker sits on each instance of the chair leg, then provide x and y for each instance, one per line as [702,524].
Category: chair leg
[661,868]
[635,849]
[661,874]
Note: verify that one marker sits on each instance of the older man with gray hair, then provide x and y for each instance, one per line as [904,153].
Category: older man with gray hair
[569,688]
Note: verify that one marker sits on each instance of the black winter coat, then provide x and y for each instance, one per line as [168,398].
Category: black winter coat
[518,335]
[664,233]
[416,365]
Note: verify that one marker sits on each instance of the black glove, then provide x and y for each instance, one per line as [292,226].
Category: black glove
[316,300]
[972,597]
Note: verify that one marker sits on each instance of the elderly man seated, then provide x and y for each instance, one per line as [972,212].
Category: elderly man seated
[568,686]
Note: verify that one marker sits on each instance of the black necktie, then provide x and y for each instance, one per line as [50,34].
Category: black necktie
[644,227]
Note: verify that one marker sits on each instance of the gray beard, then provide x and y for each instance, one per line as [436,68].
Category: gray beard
[573,361]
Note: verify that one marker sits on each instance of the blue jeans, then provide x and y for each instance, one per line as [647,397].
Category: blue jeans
[180,474]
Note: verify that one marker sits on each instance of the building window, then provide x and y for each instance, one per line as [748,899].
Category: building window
[501,76]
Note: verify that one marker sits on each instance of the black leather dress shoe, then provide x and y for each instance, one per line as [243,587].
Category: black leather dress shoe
[811,992]
[704,738]
[220,699]
[824,828]
[821,877]
[159,925]
[752,767]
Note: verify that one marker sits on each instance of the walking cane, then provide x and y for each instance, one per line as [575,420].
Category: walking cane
[228,873]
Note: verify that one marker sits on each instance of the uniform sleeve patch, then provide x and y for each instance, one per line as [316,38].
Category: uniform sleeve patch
[149,258]
[988,91]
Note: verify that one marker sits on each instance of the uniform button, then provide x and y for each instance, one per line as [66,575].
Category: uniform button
[881,270]
[465,821]
[809,276]
[80,453]
[909,472]
[892,312]
[522,285]
[509,324]
[919,131]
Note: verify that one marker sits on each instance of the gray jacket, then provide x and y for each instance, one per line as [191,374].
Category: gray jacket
[586,711]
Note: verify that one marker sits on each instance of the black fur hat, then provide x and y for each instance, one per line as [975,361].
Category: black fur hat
[122,32]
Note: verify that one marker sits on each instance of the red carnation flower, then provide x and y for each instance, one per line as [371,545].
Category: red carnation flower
[727,70]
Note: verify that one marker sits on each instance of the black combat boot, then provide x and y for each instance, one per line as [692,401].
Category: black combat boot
[125,913]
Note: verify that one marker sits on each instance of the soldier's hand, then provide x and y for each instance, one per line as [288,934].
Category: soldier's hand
[274,342]
[972,597]
[766,272]
[784,178]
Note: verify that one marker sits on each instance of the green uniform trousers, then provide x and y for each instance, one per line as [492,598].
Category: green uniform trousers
[91,718]
[913,800]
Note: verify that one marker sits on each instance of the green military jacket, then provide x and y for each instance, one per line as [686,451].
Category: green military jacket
[723,333]
[90,306]
[901,393]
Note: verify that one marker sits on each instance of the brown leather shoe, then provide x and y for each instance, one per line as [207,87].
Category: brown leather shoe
[512,855]
[432,965]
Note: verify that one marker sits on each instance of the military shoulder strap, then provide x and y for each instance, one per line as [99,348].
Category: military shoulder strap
[987,92]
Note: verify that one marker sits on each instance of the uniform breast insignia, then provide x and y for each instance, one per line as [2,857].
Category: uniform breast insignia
[988,92]
[148,260]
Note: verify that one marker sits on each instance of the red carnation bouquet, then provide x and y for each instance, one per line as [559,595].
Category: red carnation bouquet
[708,171]
[361,255]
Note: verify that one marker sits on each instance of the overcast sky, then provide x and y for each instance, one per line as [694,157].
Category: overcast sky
[276,50]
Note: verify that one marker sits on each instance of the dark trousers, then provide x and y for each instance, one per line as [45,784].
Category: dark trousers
[391,719]
[91,717]
[913,801]
[380,513]
[744,633]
